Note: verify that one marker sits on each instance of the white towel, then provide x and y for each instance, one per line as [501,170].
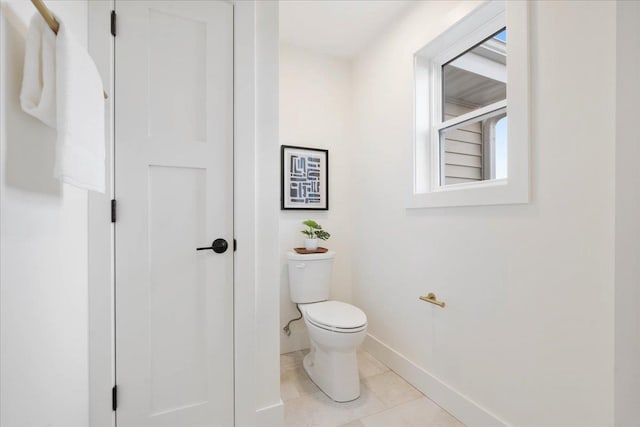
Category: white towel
[38,95]
[62,87]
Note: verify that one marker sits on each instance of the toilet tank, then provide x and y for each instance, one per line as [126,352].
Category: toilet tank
[310,276]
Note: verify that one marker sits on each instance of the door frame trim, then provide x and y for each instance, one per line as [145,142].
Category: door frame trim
[100,236]
[100,233]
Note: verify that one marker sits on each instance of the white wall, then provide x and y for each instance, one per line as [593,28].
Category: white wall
[43,229]
[627,303]
[315,111]
[528,328]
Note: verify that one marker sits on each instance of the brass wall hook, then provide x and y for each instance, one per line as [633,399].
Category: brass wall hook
[431,297]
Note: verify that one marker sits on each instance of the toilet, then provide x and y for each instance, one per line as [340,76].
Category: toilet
[336,328]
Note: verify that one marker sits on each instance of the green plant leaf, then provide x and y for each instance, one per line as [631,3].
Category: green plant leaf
[322,235]
[311,224]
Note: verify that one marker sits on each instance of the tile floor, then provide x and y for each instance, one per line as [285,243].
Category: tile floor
[386,399]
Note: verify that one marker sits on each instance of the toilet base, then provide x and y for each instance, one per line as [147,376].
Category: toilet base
[335,373]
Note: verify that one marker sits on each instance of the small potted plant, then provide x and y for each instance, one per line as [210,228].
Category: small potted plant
[313,232]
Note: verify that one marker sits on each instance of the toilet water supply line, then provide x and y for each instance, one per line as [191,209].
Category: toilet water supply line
[286,328]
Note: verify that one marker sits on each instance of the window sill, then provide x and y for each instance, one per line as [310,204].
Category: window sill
[491,192]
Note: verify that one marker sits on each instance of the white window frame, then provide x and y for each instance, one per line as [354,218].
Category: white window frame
[489,145]
[481,23]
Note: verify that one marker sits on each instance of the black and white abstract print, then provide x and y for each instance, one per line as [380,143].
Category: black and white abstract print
[304,181]
[305,178]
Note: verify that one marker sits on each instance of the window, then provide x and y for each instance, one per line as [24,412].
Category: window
[474,97]
[466,150]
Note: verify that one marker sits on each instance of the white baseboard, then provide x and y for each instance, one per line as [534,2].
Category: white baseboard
[457,404]
[270,416]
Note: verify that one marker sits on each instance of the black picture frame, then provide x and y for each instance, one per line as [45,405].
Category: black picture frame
[310,194]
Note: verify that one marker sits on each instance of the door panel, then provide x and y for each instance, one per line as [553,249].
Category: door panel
[177,288]
[174,187]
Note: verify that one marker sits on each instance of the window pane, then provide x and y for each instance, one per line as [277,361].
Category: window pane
[500,144]
[475,150]
[476,78]
[502,35]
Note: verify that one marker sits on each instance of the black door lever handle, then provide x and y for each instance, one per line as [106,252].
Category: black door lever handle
[218,246]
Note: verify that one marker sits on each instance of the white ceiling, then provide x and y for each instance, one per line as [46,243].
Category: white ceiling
[337,27]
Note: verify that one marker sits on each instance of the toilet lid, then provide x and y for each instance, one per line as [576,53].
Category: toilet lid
[336,314]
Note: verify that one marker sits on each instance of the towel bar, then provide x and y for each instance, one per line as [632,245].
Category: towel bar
[431,297]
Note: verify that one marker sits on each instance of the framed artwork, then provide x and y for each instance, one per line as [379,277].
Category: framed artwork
[305,178]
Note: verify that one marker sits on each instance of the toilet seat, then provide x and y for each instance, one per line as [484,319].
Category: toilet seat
[338,330]
[335,316]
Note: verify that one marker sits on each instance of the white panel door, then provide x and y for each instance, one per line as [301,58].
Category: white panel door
[174,192]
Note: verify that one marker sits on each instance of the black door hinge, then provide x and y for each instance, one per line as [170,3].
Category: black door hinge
[114,397]
[113,23]
[113,210]
[235,245]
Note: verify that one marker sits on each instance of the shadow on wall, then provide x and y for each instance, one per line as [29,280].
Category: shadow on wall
[30,144]
[302,215]
[298,338]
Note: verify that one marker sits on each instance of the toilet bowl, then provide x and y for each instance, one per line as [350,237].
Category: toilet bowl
[336,328]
